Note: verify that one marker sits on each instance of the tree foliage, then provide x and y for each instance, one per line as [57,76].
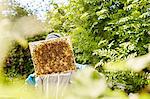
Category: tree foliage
[104,30]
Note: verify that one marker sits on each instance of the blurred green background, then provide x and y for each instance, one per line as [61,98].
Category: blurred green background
[112,36]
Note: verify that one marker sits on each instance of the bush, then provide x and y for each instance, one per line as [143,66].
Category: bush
[19,62]
[128,81]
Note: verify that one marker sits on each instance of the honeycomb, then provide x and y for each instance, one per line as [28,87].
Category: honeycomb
[52,56]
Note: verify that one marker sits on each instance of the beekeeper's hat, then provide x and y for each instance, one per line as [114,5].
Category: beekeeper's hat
[53,36]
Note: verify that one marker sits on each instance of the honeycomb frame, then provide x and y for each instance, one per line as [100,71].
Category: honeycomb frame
[52,56]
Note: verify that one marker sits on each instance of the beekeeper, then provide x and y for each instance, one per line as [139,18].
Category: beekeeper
[52,84]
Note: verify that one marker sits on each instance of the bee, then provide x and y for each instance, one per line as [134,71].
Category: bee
[52,56]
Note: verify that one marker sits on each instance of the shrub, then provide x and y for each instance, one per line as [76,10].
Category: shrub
[19,62]
[128,81]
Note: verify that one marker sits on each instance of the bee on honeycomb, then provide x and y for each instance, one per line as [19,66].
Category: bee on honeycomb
[52,56]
